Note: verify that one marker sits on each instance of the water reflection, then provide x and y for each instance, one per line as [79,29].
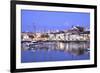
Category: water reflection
[74,48]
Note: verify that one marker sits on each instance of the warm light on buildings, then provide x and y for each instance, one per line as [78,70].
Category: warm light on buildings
[75,34]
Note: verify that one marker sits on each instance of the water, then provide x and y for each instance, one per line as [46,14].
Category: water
[56,51]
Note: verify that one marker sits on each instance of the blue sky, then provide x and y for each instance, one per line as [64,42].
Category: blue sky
[43,21]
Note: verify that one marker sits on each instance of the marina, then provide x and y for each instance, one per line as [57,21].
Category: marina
[53,51]
[53,39]
[72,44]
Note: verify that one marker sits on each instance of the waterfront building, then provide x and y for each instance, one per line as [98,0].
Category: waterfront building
[25,37]
[75,34]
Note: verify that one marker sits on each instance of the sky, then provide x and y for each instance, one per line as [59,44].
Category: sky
[44,21]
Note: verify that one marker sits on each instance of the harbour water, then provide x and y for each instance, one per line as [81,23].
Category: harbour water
[55,51]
